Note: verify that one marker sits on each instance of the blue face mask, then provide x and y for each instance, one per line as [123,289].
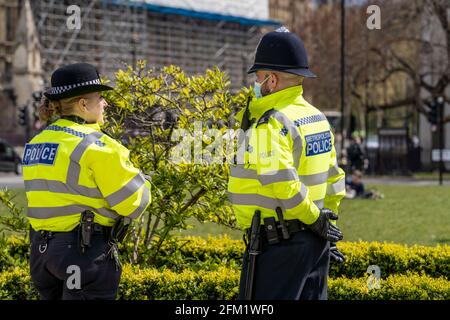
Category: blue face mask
[257,88]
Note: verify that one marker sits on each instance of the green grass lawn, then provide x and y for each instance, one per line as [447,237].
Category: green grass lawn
[430,175]
[407,214]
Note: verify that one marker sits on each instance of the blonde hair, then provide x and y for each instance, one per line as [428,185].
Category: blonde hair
[52,109]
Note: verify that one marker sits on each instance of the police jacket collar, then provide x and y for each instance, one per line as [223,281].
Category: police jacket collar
[69,121]
[285,96]
[74,118]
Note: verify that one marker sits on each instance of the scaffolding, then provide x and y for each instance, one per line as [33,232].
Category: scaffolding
[115,33]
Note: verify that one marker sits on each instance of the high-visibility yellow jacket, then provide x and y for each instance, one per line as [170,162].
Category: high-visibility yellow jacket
[287,160]
[71,167]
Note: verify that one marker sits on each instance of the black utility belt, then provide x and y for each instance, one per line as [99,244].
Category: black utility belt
[271,231]
[96,228]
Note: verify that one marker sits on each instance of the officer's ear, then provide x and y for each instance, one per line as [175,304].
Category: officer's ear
[273,81]
[82,104]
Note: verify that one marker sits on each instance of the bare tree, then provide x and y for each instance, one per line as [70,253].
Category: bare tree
[410,55]
[403,65]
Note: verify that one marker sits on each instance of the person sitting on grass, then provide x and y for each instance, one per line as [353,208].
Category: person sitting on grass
[355,188]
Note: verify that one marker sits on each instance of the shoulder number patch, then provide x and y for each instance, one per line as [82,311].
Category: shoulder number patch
[40,153]
[318,143]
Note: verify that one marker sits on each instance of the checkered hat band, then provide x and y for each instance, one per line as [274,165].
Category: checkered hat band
[62,89]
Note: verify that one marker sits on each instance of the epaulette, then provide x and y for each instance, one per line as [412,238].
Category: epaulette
[266,116]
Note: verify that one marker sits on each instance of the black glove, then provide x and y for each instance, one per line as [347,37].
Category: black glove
[335,254]
[120,229]
[324,228]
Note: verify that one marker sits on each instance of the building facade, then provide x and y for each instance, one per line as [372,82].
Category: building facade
[36,37]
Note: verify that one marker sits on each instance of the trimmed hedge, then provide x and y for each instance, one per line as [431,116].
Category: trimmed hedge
[13,252]
[141,284]
[410,286]
[391,258]
[15,284]
[197,253]
[210,254]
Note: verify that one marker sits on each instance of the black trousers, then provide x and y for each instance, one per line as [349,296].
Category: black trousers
[294,269]
[63,272]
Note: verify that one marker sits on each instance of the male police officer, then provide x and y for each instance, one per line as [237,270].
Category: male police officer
[286,186]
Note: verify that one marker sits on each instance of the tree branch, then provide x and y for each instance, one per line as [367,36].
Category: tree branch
[396,104]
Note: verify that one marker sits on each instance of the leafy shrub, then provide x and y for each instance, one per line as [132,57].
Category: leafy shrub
[14,251]
[193,253]
[196,253]
[138,284]
[162,115]
[15,284]
[222,284]
[392,259]
[395,287]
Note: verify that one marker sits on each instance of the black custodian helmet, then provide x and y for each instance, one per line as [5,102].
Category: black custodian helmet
[282,50]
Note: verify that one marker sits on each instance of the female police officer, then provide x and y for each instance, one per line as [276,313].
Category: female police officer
[78,182]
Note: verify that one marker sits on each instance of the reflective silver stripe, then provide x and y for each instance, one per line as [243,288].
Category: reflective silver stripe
[239,171]
[314,179]
[265,179]
[297,151]
[47,185]
[243,139]
[295,135]
[107,213]
[79,150]
[278,176]
[308,180]
[267,202]
[58,187]
[333,171]
[126,191]
[73,172]
[287,123]
[51,212]
[336,187]
[144,202]
[319,203]
[88,192]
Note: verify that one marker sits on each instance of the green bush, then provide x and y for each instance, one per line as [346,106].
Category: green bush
[395,287]
[153,284]
[197,254]
[392,259]
[143,284]
[14,251]
[15,284]
[162,115]
[193,253]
